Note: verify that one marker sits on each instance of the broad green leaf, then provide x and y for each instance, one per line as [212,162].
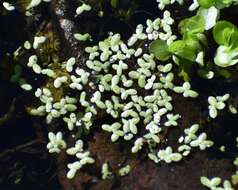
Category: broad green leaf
[196,24]
[192,25]
[192,42]
[177,45]
[182,50]
[223,31]
[160,49]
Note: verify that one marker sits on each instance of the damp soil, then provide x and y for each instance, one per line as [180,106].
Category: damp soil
[24,161]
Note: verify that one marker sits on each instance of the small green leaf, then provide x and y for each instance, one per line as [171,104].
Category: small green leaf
[206,3]
[185,69]
[234,40]
[114,3]
[183,25]
[223,31]
[224,73]
[221,4]
[177,45]
[160,49]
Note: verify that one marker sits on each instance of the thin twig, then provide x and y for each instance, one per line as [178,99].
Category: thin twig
[19,148]
[9,113]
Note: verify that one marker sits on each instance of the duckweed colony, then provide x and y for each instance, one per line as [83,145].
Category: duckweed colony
[127,85]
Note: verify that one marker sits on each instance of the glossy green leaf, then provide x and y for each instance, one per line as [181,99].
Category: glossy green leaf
[223,31]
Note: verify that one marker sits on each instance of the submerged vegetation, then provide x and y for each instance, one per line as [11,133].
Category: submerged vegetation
[96,73]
